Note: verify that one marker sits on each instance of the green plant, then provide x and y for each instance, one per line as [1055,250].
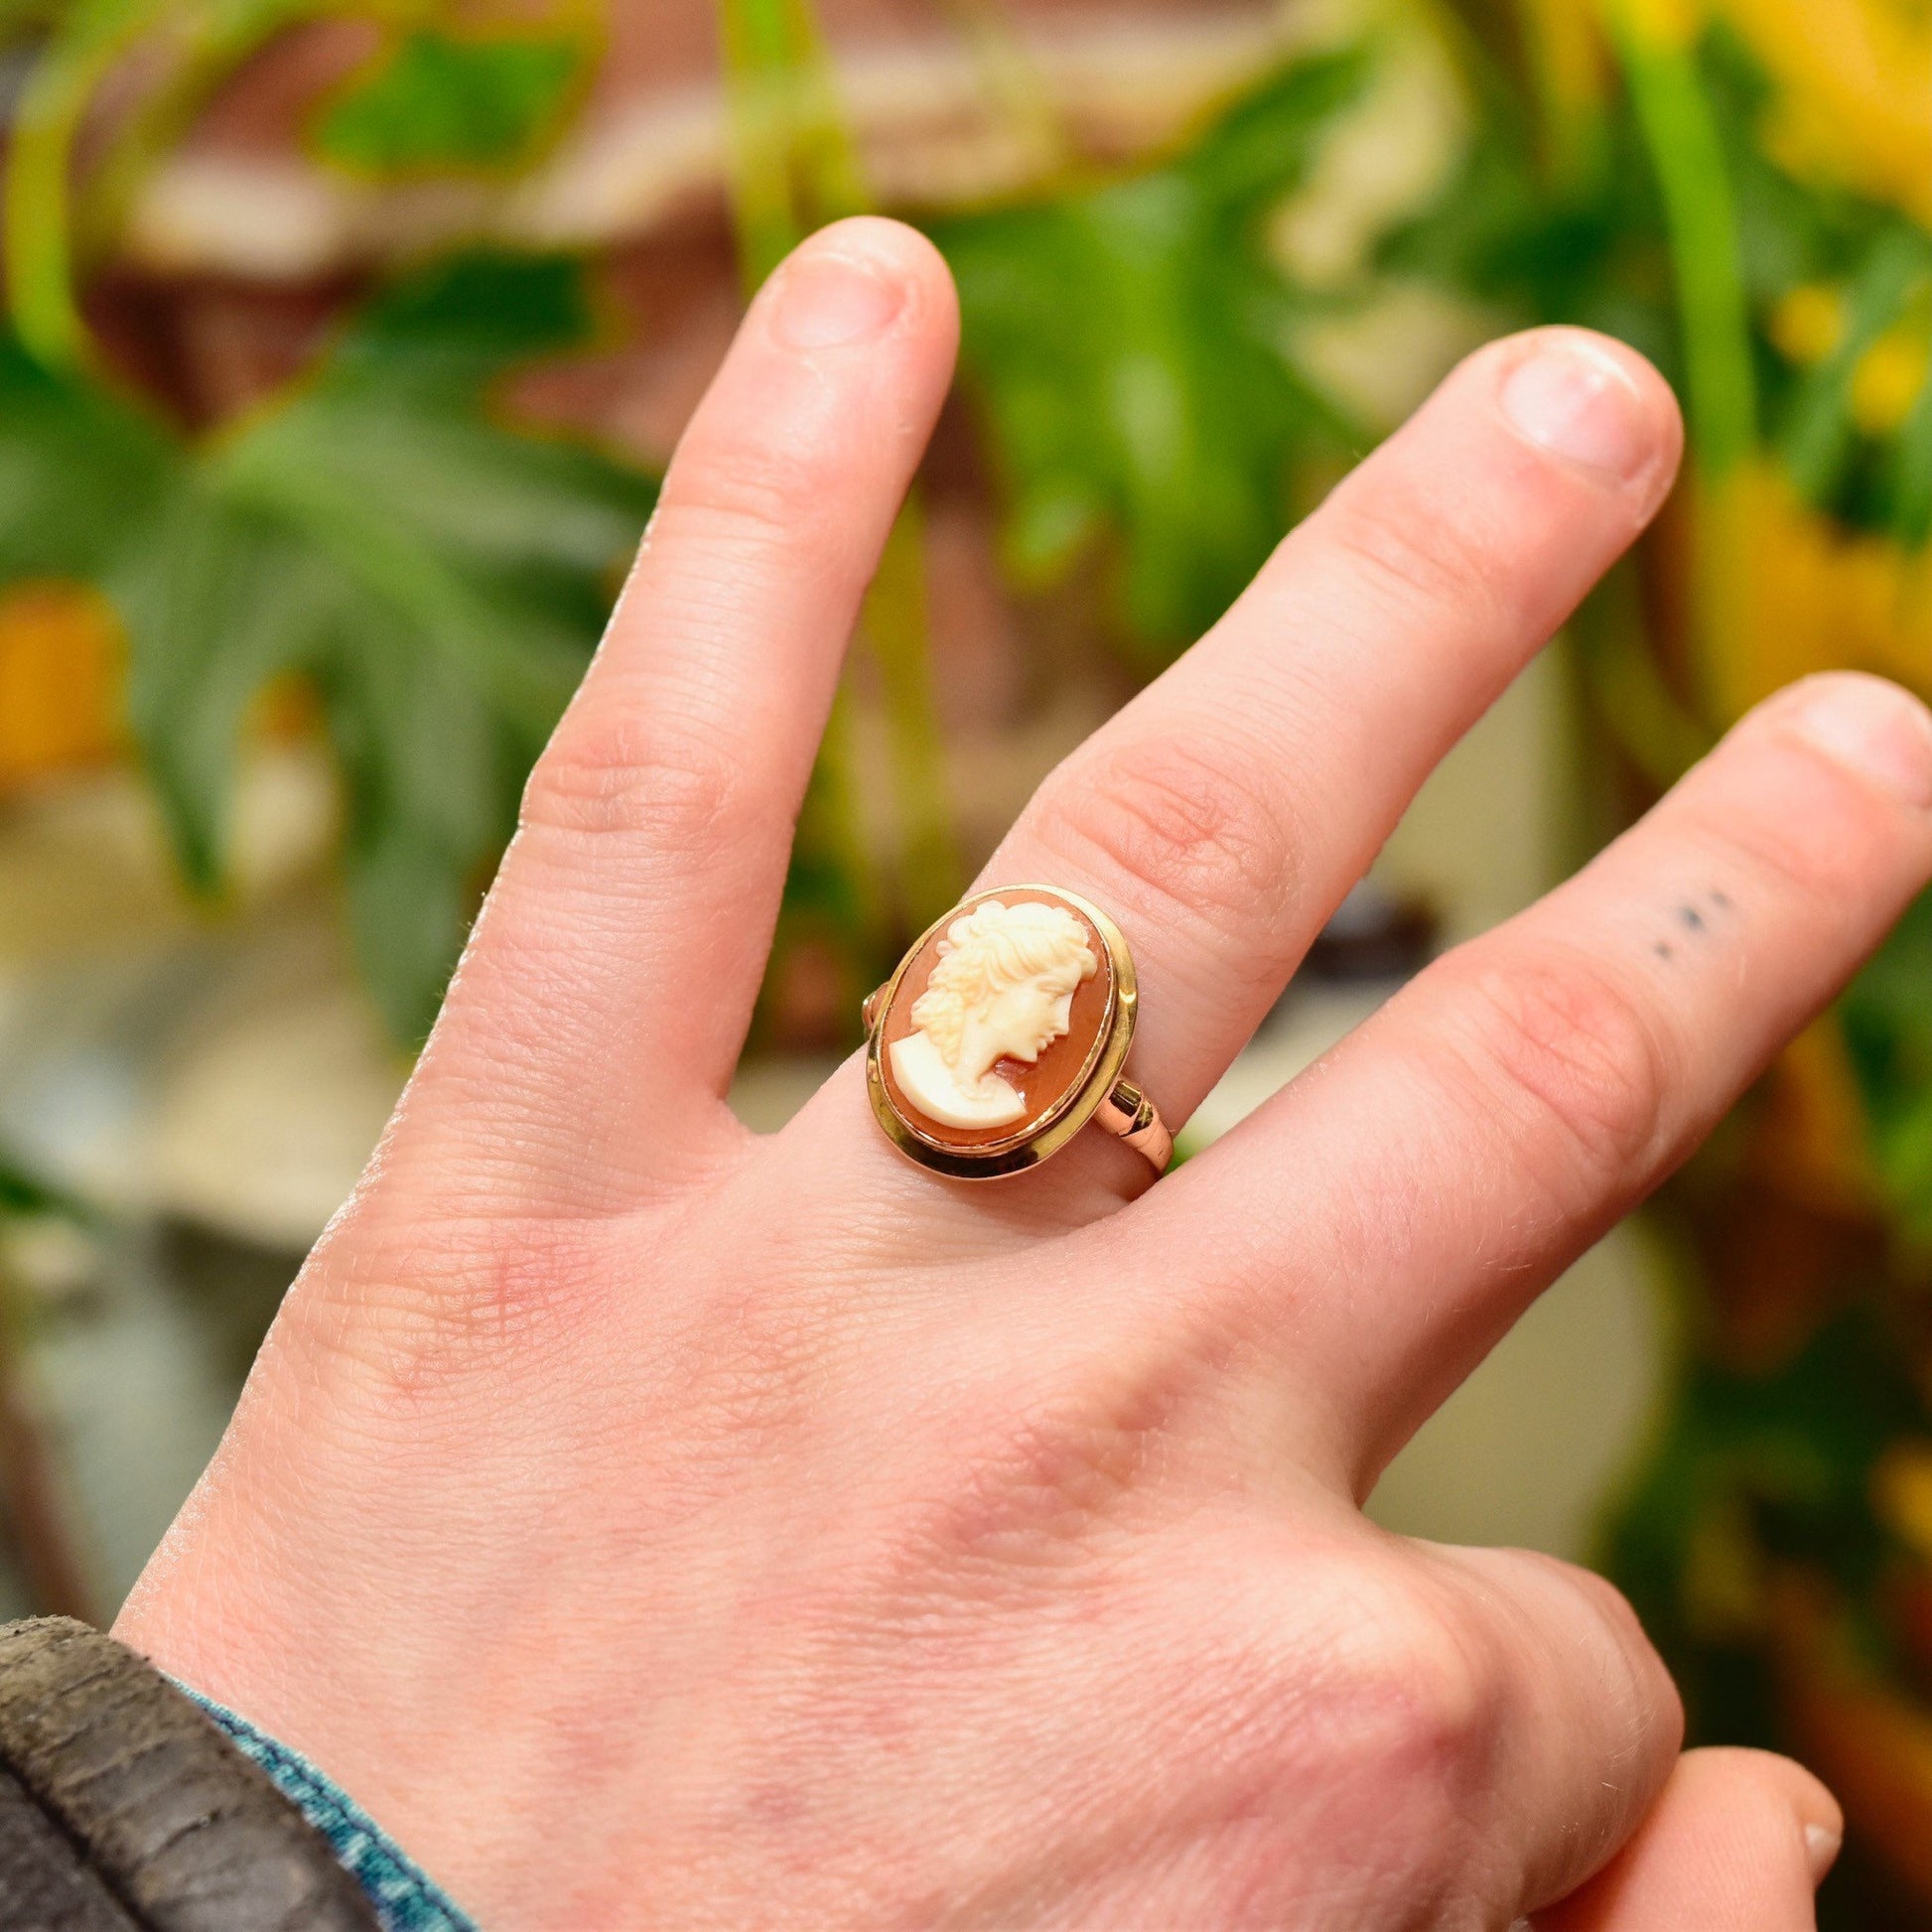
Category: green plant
[435,572]
[1777,1539]
[440,102]
[1132,346]
[437,577]
[381,527]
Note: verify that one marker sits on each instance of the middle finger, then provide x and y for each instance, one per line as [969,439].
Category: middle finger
[1224,814]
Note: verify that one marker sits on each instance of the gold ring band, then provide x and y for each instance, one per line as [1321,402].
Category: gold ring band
[1006,1030]
[1129,1112]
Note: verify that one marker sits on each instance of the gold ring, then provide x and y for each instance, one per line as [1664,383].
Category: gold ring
[1005,1031]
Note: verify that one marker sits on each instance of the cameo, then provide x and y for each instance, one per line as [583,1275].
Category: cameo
[1002,1032]
[1002,990]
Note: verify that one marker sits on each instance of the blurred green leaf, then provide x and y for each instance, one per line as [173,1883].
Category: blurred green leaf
[1819,436]
[794,163]
[80,49]
[1584,247]
[25,1196]
[1911,474]
[1130,349]
[442,102]
[437,577]
[1778,1466]
[86,41]
[1679,129]
[78,469]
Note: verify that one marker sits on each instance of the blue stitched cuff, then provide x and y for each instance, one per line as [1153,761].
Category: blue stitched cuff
[406,1897]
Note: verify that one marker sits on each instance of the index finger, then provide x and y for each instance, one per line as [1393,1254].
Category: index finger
[620,950]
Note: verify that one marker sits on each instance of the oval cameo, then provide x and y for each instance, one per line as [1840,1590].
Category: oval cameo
[998,1020]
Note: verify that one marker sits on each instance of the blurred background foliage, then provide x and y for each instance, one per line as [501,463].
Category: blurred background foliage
[376,535]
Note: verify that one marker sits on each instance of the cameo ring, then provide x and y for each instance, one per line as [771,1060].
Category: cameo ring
[1004,1033]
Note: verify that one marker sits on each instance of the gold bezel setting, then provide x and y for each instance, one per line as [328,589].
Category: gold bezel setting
[1083,1099]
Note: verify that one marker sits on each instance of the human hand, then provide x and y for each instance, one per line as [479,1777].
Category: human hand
[659,1525]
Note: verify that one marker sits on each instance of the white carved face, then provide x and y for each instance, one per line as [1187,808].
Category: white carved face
[1002,989]
[1023,1020]
[1004,986]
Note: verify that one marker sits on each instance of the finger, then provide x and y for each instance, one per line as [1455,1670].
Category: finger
[1526,1090]
[1571,1725]
[1224,814]
[1737,1842]
[623,945]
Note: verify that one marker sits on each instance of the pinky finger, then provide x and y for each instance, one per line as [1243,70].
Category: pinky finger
[1736,1841]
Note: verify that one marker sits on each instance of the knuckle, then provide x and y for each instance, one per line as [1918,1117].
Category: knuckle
[1801,854]
[1563,1046]
[767,491]
[417,1313]
[1414,1712]
[676,783]
[1584,1665]
[1410,555]
[1651,1698]
[1440,1687]
[1603,1597]
[1174,822]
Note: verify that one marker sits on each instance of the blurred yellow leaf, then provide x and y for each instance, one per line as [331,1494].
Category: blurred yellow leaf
[1795,593]
[1658,23]
[1901,1494]
[1869,1740]
[61,679]
[1814,1146]
[1809,324]
[1889,380]
[1571,61]
[1854,85]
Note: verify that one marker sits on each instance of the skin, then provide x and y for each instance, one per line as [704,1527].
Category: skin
[657,1525]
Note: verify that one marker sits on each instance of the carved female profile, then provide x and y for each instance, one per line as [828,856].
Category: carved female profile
[1003,989]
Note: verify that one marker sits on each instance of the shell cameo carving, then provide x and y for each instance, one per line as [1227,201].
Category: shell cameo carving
[1002,990]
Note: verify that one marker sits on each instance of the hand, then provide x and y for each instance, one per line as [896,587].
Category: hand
[657,1524]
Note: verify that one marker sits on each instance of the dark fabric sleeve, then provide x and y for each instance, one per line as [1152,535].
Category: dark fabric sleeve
[122,1806]
[45,1882]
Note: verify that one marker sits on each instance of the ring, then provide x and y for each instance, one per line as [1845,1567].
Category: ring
[1005,1031]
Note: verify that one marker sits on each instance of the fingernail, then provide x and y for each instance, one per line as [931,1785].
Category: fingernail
[1821,1844]
[1874,727]
[829,301]
[1581,404]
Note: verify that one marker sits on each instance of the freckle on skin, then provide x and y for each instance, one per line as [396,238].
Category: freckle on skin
[1719,900]
[1660,950]
[1692,917]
